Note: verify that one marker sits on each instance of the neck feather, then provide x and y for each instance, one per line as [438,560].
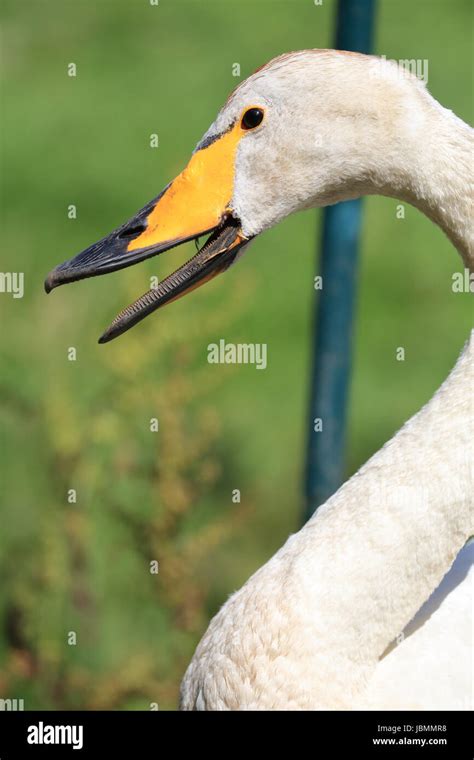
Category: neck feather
[384,541]
[388,536]
[434,171]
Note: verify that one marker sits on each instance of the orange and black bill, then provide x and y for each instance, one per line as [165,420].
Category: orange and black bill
[196,203]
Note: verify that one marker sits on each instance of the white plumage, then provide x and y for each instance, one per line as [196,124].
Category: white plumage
[430,666]
[319,625]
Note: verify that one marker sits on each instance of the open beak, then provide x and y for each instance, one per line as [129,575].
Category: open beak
[194,204]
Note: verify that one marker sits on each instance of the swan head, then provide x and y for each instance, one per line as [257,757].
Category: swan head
[308,129]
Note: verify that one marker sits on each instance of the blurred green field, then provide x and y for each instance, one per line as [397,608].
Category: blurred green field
[84,425]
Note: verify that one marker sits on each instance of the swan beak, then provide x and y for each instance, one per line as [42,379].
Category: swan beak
[195,203]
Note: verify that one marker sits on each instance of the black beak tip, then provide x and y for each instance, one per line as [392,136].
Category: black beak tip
[106,336]
[49,283]
[55,277]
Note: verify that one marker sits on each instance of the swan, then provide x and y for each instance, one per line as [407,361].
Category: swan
[352,612]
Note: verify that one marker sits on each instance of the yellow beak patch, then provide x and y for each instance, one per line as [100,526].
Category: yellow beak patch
[198,198]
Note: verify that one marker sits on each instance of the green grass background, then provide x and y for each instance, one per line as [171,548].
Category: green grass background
[141,496]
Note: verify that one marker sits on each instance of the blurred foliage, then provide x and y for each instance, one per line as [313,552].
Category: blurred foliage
[85,424]
[141,495]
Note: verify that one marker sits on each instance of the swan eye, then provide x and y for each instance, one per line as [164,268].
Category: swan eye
[252,118]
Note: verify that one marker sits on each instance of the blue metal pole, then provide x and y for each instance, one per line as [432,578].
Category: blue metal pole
[331,363]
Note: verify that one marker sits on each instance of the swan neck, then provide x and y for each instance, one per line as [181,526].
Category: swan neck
[437,170]
[386,539]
